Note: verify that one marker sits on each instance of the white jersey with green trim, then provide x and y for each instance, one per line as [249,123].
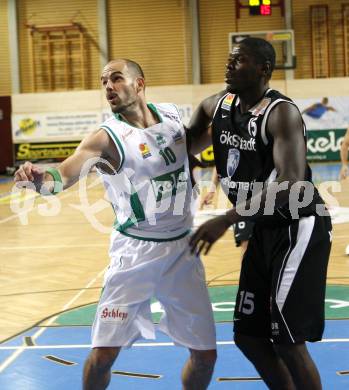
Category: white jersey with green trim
[151,193]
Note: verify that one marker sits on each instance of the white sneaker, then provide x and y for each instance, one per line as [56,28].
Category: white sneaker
[347,250]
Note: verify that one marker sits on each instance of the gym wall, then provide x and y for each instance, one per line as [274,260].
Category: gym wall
[5,70]
[158,34]
[47,12]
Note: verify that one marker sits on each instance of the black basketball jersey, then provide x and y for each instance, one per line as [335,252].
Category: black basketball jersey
[243,148]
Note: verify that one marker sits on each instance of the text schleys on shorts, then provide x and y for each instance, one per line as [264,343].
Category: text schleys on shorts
[112,313]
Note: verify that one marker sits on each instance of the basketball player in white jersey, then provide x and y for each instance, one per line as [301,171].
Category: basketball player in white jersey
[143,149]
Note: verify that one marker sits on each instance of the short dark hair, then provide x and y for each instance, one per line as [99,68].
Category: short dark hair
[134,67]
[262,50]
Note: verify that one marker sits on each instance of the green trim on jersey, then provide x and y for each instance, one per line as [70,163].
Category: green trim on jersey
[119,145]
[138,212]
[150,106]
[120,118]
[156,239]
[155,111]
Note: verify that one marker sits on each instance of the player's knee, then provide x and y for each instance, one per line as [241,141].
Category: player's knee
[102,359]
[204,358]
[288,352]
[250,346]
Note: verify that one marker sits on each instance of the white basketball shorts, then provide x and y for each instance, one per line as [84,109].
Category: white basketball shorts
[140,270]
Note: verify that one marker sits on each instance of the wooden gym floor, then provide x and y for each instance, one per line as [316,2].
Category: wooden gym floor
[50,263]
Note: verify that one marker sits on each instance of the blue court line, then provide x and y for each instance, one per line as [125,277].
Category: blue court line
[75,335]
[32,371]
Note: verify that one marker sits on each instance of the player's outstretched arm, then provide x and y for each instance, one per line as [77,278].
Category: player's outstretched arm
[199,130]
[95,146]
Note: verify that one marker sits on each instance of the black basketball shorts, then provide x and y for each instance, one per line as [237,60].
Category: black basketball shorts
[282,281]
[243,231]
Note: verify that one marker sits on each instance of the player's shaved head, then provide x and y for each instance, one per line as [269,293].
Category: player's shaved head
[133,67]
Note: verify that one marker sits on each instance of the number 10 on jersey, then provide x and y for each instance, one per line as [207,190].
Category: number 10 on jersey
[168,155]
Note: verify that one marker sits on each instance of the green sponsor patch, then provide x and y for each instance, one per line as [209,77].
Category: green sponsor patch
[223,303]
[168,184]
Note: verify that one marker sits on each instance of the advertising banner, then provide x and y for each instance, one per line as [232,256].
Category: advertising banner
[324,145]
[326,113]
[55,151]
[42,127]
[66,126]
[54,136]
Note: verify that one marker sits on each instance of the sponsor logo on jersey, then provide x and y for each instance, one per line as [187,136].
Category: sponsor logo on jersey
[229,184]
[127,134]
[172,116]
[227,102]
[177,137]
[169,184]
[232,161]
[160,140]
[261,107]
[144,149]
[237,142]
[112,313]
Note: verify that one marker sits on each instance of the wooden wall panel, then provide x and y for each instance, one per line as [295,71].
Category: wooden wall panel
[5,70]
[301,25]
[155,34]
[43,12]
[217,20]
[158,35]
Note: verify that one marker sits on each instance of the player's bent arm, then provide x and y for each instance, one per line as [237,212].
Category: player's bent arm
[285,126]
[198,130]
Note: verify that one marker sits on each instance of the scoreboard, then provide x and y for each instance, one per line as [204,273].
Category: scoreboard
[259,7]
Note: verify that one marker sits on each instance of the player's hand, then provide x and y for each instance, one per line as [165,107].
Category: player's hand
[344,172]
[28,173]
[207,199]
[208,233]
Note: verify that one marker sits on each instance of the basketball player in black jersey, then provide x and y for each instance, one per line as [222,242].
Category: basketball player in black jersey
[259,143]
